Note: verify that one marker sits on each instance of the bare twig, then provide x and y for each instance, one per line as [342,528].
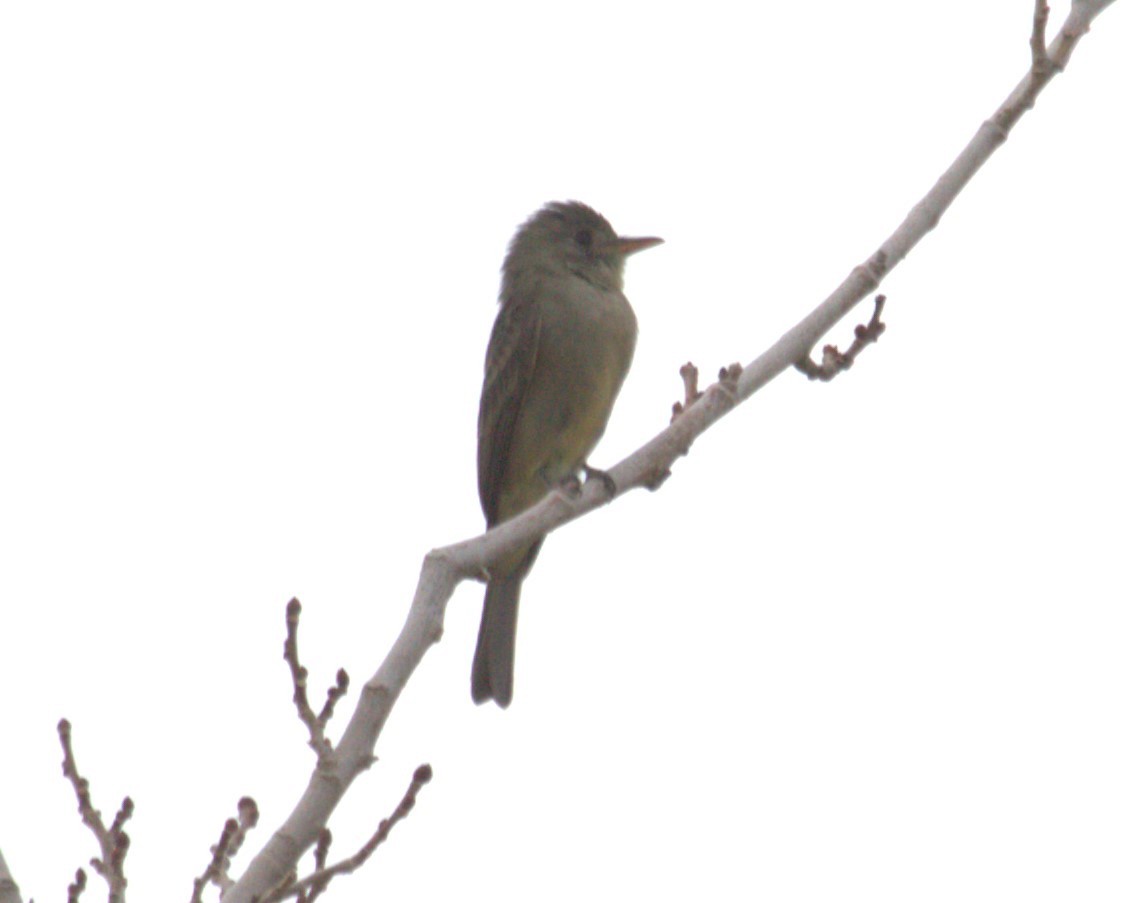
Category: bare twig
[315,723]
[321,852]
[312,886]
[77,887]
[233,834]
[1041,66]
[833,360]
[113,841]
[445,567]
[729,377]
[692,393]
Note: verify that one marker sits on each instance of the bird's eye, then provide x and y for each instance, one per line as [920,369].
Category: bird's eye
[583,239]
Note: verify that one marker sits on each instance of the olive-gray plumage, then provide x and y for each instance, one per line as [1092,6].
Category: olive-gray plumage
[559,351]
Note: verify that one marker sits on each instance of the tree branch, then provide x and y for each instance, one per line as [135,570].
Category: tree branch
[445,567]
[9,891]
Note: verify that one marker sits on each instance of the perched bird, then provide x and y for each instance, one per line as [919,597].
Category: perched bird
[559,351]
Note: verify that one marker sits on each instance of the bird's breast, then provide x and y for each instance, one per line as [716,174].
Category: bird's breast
[586,344]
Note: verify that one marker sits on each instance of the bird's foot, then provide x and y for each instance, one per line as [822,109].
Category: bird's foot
[607,480]
[571,485]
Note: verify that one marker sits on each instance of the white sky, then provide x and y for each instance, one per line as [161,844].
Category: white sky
[877,639]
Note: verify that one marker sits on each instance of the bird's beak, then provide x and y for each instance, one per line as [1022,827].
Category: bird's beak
[628,246]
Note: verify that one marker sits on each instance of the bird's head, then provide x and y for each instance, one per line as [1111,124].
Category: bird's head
[571,236]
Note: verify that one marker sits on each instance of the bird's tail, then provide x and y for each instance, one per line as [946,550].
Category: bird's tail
[493,670]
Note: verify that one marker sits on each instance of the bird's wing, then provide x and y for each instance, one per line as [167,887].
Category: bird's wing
[507,373]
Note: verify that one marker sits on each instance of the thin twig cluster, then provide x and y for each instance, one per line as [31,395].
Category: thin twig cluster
[310,887]
[113,841]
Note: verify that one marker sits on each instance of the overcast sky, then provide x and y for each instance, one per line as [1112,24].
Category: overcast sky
[875,639]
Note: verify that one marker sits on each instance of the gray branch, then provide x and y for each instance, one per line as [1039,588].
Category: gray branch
[9,892]
[444,568]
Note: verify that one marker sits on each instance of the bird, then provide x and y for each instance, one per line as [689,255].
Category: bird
[559,351]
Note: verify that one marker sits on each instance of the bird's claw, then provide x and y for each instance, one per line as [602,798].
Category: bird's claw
[607,480]
[571,485]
